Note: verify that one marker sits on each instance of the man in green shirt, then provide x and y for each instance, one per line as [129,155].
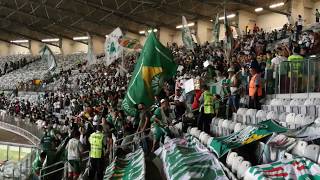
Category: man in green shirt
[37,164]
[296,69]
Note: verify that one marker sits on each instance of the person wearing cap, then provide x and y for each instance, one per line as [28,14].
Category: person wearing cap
[255,87]
[234,98]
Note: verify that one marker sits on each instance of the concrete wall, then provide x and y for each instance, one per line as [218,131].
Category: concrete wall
[271,21]
[204,31]
[246,19]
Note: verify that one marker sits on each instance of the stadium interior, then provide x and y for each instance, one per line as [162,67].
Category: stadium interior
[160,89]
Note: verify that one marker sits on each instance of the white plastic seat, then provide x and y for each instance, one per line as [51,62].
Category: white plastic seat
[299,120]
[230,158]
[317,121]
[202,133]
[237,127]
[244,166]
[231,127]
[272,115]
[205,139]
[197,133]
[299,148]
[250,117]
[312,152]
[261,116]
[241,114]
[283,116]
[290,120]
[236,163]
[220,129]
[225,127]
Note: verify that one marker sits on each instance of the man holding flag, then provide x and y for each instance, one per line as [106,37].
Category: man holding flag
[154,66]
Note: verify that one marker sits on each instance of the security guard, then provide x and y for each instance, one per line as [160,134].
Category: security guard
[97,142]
[206,110]
[255,87]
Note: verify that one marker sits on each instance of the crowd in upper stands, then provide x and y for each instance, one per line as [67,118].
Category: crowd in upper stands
[86,104]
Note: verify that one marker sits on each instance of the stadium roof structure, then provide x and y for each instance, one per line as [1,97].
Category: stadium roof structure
[38,19]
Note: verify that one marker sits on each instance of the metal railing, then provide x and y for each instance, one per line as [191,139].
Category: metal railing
[18,160]
[22,127]
[291,77]
[60,168]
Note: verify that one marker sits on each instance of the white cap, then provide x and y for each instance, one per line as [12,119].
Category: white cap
[162,101]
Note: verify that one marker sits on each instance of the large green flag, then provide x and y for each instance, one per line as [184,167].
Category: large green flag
[223,145]
[128,168]
[186,34]
[216,31]
[154,66]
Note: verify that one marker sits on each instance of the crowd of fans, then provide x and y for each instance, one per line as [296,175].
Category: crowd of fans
[14,62]
[86,109]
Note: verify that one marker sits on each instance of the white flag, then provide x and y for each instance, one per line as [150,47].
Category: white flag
[113,50]
[186,34]
[47,54]
[92,59]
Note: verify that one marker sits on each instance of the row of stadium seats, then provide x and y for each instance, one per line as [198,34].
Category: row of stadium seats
[37,70]
[298,106]
[236,166]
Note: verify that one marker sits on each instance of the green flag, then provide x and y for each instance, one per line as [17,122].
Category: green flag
[130,167]
[223,145]
[186,34]
[228,37]
[47,54]
[186,158]
[216,31]
[154,66]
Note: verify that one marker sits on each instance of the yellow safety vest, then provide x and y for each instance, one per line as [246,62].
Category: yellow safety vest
[296,65]
[96,144]
[208,102]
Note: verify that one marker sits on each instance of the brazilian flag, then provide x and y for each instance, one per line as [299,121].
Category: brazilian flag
[154,66]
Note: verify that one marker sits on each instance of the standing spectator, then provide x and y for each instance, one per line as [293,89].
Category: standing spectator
[206,111]
[97,142]
[234,99]
[255,87]
[295,73]
[74,150]
[317,15]
[299,25]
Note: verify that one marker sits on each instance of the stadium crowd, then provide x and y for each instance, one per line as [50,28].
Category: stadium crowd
[86,106]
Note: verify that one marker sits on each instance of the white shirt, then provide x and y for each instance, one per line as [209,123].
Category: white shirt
[300,22]
[278,59]
[74,149]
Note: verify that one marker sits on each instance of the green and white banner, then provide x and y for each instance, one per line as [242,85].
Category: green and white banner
[216,31]
[47,55]
[222,145]
[297,168]
[187,158]
[129,168]
[92,59]
[186,34]
[112,48]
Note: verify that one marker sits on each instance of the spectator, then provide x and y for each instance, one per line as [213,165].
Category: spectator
[74,150]
[255,87]
[317,15]
[98,144]
[206,110]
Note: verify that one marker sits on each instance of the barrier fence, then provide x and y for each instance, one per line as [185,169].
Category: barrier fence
[291,77]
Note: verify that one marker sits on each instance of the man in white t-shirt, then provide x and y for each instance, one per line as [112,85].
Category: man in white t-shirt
[74,150]
[278,59]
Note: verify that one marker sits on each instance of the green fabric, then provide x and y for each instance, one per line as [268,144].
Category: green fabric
[186,34]
[223,145]
[187,158]
[46,142]
[129,168]
[154,65]
[216,30]
[297,168]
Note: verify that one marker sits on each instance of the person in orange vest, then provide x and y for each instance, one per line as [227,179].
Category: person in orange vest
[255,87]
